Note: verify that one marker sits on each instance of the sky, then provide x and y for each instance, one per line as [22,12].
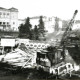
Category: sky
[63,9]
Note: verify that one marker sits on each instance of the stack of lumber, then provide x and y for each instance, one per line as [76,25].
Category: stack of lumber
[21,58]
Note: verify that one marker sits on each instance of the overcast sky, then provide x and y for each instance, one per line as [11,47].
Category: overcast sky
[63,9]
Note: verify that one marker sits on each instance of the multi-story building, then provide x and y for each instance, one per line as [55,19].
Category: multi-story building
[76,25]
[35,20]
[9,19]
[64,24]
[53,24]
[49,23]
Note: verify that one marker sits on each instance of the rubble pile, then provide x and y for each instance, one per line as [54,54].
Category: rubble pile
[20,57]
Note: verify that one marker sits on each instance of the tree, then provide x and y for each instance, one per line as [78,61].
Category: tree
[41,27]
[36,33]
[21,30]
[25,29]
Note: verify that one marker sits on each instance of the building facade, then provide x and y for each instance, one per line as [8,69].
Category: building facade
[49,23]
[9,19]
[76,25]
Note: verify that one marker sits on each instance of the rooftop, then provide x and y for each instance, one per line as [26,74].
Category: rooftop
[13,9]
[3,8]
[10,9]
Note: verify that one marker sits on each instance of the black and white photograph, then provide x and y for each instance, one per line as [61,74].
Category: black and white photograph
[39,39]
